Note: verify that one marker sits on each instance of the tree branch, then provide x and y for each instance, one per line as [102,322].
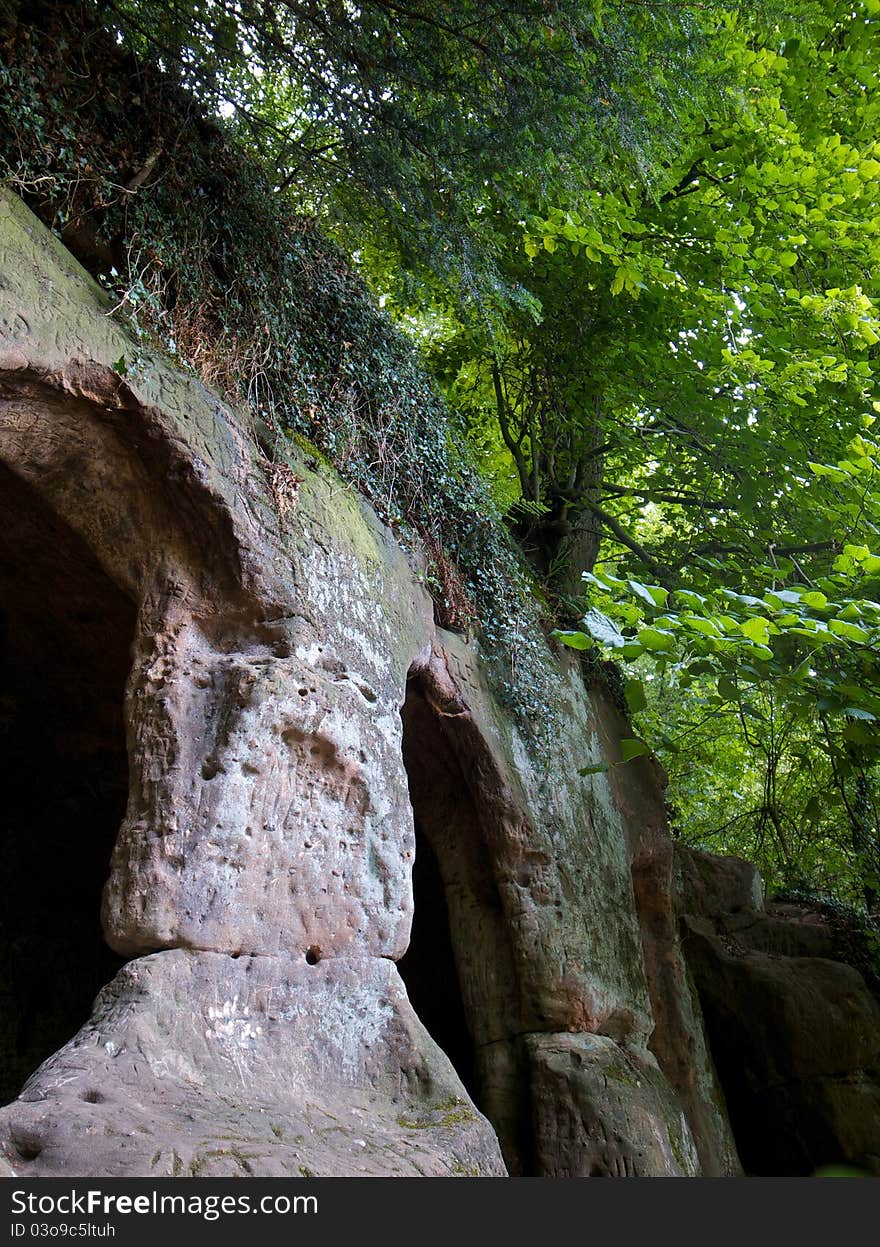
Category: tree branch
[627,540]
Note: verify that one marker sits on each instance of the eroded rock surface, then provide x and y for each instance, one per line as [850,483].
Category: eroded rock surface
[198,1064]
[605,1112]
[678,1040]
[794,1030]
[297,731]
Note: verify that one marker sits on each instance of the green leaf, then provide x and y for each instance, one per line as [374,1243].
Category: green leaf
[727,689]
[654,595]
[636,699]
[631,748]
[655,640]
[695,601]
[707,627]
[826,469]
[603,629]
[574,640]
[756,629]
[851,631]
[761,652]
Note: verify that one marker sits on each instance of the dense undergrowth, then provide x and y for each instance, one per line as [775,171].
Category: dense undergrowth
[209,261]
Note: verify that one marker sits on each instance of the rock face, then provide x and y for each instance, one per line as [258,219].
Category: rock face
[294,725]
[360,923]
[252,671]
[194,1064]
[678,1039]
[795,1031]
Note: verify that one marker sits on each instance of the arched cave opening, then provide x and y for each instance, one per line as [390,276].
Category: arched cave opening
[65,651]
[447,837]
[459,969]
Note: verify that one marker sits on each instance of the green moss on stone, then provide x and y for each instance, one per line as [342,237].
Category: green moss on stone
[314,457]
[451,1112]
[618,1072]
[675,1143]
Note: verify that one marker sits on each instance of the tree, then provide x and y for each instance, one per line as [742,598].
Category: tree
[401,120]
[688,351]
[691,352]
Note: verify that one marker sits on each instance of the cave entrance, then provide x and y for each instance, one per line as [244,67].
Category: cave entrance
[459,969]
[429,968]
[65,650]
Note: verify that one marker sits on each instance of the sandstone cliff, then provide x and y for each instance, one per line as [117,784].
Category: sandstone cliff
[362,922]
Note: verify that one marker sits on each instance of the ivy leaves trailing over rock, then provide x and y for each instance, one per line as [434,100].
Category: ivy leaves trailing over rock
[207,262]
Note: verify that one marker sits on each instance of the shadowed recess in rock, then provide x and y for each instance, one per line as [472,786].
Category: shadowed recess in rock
[65,639]
[429,970]
[459,970]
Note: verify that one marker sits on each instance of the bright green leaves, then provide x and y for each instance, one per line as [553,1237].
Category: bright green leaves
[701,624]
[776,693]
[851,632]
[636,698]
[632,747]
[818,651]
[656,640]
[857,559]
[607,235]
[627,277]
[815,600]
[654,595]
[753,348]
[756,628]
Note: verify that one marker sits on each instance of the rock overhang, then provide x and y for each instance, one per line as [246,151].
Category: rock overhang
[269,813]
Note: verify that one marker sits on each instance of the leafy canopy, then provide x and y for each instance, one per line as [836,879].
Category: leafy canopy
[403,119]
[765,601]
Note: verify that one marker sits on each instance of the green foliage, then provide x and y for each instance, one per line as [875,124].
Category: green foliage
[206,261]
[404,121]
[690,345]
[785,674]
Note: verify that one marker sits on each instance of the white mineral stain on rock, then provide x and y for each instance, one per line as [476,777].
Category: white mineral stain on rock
[231,1021]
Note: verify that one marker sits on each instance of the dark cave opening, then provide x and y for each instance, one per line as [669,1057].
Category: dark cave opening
[459,970]
[438,966]
[65,650]
[429,971]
